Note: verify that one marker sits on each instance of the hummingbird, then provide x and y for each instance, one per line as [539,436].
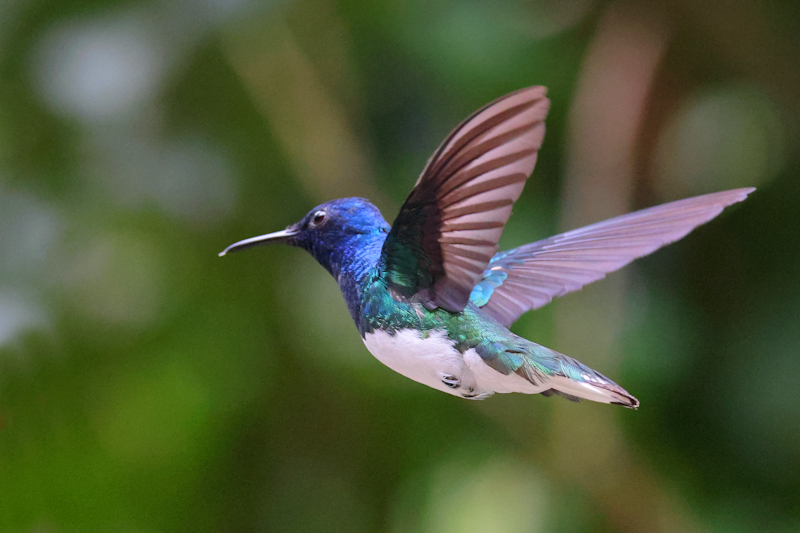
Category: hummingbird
[431,296]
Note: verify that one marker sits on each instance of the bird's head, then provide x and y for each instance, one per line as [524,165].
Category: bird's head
[326,230]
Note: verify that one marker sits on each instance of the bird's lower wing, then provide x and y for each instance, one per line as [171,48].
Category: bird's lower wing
[532,275]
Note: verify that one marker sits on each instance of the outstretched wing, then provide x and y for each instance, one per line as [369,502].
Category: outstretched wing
[448,228]
[530,276]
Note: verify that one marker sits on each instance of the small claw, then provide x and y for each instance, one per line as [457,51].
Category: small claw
[451,381]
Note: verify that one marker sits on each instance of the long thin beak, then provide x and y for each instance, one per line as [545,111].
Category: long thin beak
[270,238]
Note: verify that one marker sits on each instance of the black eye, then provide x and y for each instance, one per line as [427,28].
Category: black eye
[317,219]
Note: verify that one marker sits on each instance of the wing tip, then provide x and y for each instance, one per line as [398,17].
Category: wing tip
[532,93]
[730,196]
[741,194]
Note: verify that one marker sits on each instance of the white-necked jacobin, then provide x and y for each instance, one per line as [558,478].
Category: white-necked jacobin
[430,295]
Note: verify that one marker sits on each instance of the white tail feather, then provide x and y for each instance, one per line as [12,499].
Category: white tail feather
[599,392]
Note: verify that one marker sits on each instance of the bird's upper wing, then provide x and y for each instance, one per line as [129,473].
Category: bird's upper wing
[530,276]
[448,228]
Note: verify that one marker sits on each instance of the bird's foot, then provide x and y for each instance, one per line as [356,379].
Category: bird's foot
[451,381]
[470,394]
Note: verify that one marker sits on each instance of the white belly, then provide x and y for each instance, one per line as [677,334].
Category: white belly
[431,359]
[489,378]
[426,361]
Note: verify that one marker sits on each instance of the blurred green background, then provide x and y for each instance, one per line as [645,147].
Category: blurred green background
[147,385]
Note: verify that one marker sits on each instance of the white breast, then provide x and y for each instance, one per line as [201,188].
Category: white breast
[425,360]
[430,359]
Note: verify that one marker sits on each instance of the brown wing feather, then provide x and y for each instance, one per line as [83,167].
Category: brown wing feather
[448,228]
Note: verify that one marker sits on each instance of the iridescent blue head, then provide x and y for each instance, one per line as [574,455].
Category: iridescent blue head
[334,232]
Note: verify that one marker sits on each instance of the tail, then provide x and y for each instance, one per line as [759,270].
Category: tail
[572,379]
